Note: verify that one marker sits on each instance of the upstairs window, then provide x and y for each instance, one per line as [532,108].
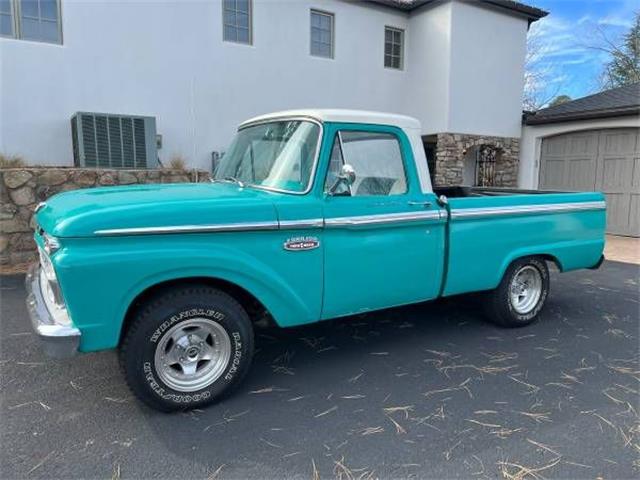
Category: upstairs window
[236,19]
[37,20]
[321,34]
[393,48]
[6,19]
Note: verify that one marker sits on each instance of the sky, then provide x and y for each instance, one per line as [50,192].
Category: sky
[566,36]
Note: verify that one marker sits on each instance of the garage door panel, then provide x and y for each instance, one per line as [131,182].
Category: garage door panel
[606,160]
[618,142]
[554,173]
[616,173]
[635,182]
[618,206]
[554,146]
[582,144]
[581,174]
[634,215]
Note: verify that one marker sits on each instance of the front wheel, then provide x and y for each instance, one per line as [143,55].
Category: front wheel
[186,348]
[521,294]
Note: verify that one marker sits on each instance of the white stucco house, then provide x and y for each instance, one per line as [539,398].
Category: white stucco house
[197,68]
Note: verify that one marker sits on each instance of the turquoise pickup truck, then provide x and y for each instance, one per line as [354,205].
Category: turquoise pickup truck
[312,215]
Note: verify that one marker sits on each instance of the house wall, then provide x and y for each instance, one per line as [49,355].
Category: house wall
[462,71]
[488,51]
[168,60]
[532,136]
[428,66]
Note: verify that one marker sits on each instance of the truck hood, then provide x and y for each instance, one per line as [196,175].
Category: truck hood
[81,213]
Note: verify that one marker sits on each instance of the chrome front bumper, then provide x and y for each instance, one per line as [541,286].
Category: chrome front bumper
[59,341]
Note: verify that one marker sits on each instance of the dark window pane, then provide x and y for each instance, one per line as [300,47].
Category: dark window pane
[315,19]
[230,33]
[229,18]
[243,20]
[6,25]
[49,31]
[325,37]
[388,35]
[243,6]
[49,9]
[243,35]
[229,4]
[396,50]
[29,8]
[30,29]
[325,21]
[315,35]
[387,49]
[5,6]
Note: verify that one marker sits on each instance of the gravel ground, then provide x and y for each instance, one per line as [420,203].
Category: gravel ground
[423,391]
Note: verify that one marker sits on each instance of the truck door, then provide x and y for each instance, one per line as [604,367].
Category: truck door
[383,238]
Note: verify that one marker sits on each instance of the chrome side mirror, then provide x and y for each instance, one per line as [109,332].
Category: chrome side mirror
[346,177]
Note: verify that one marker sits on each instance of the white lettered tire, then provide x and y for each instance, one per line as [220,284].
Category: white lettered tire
[521,295]
[186,347]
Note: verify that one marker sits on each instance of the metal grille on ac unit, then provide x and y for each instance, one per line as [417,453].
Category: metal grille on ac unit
[102,140]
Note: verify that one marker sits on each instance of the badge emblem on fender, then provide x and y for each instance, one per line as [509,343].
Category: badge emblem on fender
[297,244]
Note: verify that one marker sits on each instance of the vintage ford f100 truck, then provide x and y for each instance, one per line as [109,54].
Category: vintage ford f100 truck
[312,215]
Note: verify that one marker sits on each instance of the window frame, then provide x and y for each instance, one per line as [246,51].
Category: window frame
[391,55]
[16,12]
[403,162]
[249,42]
[13,16]
[332,17]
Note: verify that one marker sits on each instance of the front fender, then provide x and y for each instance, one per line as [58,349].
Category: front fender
[100,282]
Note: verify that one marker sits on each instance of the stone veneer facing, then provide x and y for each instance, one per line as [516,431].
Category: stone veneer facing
[21,189]
[452,148]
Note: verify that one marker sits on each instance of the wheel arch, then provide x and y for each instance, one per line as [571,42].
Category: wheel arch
[548,257]
[255,308]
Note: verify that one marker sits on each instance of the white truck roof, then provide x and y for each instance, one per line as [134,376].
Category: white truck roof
[344,116]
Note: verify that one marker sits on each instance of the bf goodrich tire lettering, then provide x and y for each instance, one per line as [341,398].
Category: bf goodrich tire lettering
[187,348]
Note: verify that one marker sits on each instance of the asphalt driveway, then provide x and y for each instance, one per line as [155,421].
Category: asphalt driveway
[423,391]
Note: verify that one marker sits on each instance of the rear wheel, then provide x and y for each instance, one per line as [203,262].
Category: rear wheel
[187,348]
[521,295]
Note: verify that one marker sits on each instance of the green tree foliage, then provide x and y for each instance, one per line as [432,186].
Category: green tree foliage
[624,66]
[559,100]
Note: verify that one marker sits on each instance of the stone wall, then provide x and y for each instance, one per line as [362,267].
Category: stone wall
[21,189]
[452,148]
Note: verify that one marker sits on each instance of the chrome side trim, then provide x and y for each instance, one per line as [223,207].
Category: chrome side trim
[301,224]
[383,219]
[340,222]
[225,227]
[463,213]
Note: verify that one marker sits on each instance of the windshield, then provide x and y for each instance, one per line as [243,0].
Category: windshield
[276,155]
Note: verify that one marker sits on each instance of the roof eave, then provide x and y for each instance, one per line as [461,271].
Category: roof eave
[530,13]
[589,115]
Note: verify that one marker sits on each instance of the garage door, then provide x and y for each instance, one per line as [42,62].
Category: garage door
[602,160]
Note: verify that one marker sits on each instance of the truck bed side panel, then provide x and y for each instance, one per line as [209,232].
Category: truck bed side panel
[488,233]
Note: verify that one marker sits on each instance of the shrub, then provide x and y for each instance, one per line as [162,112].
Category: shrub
[11,161]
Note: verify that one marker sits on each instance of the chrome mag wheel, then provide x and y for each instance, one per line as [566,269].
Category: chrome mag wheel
[525,289]
[192,354]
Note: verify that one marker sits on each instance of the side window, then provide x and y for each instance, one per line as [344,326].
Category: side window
[376,159]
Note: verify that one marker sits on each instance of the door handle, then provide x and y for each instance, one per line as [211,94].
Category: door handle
[424,204]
